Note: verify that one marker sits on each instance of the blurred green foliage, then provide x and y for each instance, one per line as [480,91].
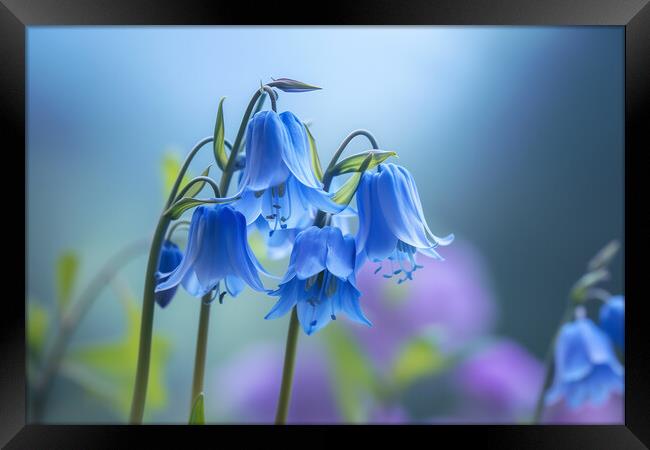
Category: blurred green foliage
[107,369]
[67,267]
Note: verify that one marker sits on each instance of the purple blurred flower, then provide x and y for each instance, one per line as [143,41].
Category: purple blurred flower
[611,412]
[248,387]
[498,384]
[388,415]
[454,297]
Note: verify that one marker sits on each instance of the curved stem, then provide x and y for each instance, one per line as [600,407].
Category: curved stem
[200,179]
[148,300]
[549,365]
[271,93]
[201,348]
[327,178]
[287,371]
[73,318]
[184,167]
[146,322]
[146,326]
[174,227]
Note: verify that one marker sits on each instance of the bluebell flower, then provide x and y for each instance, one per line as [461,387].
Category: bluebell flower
[217,250]
[391,222]
[612,319]
[170,258]
[320,280]
[586,368]
[278,181]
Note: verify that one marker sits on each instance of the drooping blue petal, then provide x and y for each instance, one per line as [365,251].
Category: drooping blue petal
[192,250]
[586,368]
[211,262]
[348,302]
[340,253]
[234,285]
[266,141]
[288,293]
[170,258]
[398,204]
[313,316]
[242,261]
[309,253]
[612,320]
[443,241]
[297,155]
[319,199]
[217,249]
[250,205]
[192,286]
[374,236]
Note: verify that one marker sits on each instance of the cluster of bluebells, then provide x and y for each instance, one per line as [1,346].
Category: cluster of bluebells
[587,368]
[282,196]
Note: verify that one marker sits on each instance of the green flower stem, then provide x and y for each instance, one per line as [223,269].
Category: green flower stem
[148,301]
[287,371]
[327,178]
[200,179]
[201,348]
[72,319]
[146,324]
[146,327]
[549,364]
[174,227]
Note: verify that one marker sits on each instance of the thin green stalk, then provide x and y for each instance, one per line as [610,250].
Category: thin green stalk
[287,371]
[201,348]
[549,364]
[146,327]
[148,300]
[146,324]
[72,319]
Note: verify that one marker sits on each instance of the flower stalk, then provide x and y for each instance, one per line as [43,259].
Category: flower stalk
[146,326]
[287,371]
[201,348]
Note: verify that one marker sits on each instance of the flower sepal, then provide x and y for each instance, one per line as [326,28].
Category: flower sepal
[289,85]
[354,163]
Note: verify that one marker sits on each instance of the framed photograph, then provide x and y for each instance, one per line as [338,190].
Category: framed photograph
[385,217]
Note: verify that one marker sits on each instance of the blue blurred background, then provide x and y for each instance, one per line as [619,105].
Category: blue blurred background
[514,135]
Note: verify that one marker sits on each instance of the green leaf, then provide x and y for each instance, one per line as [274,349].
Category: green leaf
[354,377]
[171,167]
[66,275]
[604,256]
[587,281]
[107,369]
[418,358]
[196,187]
[355,163]
[219,144]
[315,160]
[182,205]
[197,416]
[345,193]
[38,322]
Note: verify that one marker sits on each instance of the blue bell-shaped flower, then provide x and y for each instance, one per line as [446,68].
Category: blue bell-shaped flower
[391,221]
[278,181]
[170,258]
[217,249]
[586,368]
[612,319]
[320,280]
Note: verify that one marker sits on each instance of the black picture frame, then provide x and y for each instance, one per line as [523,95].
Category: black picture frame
[634,15]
